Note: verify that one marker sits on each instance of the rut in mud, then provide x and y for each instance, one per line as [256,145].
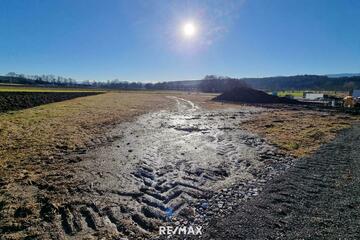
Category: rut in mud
[157,171]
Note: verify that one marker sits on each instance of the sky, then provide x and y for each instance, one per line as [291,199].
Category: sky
[145,41]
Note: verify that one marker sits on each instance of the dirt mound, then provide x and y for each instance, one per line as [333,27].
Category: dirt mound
[10,101]
[249,95]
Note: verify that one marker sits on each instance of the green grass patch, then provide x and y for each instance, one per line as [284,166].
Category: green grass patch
[291,93]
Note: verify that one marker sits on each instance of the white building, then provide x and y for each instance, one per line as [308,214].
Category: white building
[314,96]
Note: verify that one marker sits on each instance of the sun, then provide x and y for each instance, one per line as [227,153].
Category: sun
[189,30]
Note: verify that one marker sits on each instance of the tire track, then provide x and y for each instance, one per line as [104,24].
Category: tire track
[161,168]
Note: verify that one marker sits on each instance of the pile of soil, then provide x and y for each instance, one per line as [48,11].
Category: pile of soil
[10,101]
[249,95]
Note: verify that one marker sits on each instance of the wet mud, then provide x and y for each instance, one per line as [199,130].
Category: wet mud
[178,167]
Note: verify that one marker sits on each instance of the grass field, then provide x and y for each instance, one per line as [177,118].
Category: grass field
[45,130]
[70,124]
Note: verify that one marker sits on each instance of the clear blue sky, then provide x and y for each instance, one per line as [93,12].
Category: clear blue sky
[143,40]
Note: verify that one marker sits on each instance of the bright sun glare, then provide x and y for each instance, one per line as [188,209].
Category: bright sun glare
[189,29]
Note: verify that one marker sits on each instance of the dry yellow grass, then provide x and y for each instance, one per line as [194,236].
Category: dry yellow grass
[70,124]
[298,132]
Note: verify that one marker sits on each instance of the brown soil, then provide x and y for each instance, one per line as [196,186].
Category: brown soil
[10,101]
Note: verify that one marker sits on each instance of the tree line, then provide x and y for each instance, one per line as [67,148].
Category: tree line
[210,83]
[48,79]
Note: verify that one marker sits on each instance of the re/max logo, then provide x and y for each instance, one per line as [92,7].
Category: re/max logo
[169,230]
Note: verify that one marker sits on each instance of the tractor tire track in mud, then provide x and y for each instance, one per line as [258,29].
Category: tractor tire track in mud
[158,171]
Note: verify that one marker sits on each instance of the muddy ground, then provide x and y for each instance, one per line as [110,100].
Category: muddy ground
[318,198]
[163,168]
[168,168]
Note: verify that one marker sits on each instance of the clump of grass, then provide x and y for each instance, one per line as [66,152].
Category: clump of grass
[292,146]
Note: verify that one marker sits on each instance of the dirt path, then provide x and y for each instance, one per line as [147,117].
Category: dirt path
[319,198]
[167,167]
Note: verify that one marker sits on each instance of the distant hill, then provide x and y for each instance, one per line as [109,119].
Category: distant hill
[304,82]
[210,83]
[299,82]
[343,75]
